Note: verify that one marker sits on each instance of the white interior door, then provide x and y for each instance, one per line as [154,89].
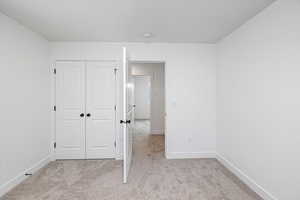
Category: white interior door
[70,101]
[100,110]
[128,116]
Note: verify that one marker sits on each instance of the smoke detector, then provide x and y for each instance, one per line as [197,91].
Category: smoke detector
[148,35]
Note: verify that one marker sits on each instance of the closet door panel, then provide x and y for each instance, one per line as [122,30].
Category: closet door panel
[70,104]
[100,109]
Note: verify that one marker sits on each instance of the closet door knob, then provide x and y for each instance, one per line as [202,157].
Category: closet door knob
[81,115]
[88,115]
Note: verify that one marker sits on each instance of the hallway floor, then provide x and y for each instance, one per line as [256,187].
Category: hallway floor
[152,177]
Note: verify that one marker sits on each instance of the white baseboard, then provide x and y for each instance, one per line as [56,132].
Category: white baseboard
[188,155]
[246,179]
[4,188]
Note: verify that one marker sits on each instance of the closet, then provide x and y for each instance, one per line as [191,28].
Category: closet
[85,109]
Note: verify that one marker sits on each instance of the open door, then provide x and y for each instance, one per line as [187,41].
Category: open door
[128,115]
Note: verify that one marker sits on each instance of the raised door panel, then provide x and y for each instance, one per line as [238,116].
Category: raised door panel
[70,101]
[100,109]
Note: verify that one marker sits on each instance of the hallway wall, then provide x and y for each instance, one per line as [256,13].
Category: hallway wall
[142,96]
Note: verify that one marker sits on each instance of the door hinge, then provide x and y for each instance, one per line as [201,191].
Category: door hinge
[115,70]
[54,71]
[54,108]
[115,107]
[115,143]
[54,145]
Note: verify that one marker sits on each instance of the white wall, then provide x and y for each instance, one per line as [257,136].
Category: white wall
[190,88]
[157,73]
[258,100]
[142,96]
[24,103]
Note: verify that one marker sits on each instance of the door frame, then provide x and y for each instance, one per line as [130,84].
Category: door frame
[154,61]
[52,70]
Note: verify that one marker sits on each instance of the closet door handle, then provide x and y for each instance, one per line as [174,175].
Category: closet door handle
[125,122]
[88,115]
[81,115]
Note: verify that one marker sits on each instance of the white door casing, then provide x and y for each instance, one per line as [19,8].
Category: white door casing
[70,104]
[100,110]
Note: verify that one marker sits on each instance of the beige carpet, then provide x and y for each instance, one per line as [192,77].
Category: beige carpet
[152,177]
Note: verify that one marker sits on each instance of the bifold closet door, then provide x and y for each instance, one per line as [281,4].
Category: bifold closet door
[100,110]
[70,110]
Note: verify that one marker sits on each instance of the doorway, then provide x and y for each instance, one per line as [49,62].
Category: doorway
[149,95]
[141,147]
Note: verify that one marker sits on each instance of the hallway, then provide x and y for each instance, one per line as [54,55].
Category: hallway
[146,145]
[152,177]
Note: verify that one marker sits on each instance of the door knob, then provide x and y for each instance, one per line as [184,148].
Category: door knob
[125,122]
[81,115]
[88,115]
